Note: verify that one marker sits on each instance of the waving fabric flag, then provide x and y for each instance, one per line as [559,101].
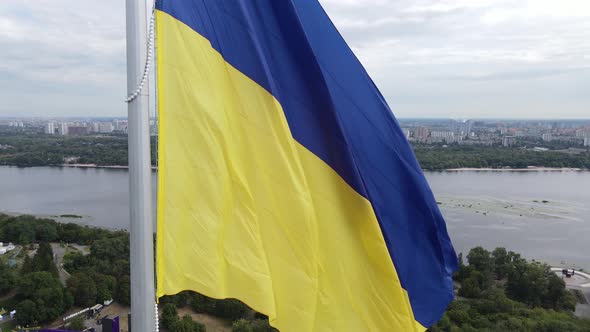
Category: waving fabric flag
[284,179]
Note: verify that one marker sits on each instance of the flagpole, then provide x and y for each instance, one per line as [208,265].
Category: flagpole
[140,200]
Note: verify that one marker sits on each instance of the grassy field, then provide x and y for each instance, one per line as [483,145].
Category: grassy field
[8,326]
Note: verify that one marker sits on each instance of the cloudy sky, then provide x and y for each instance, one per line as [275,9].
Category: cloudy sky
[447,58]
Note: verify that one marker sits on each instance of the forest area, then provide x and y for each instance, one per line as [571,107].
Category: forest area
[111,150]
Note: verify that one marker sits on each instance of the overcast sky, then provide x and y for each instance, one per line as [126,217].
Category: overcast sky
[450,58]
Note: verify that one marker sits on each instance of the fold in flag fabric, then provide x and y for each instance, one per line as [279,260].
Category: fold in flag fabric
[284,179]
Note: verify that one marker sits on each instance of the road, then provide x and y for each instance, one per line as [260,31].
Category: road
[58,256]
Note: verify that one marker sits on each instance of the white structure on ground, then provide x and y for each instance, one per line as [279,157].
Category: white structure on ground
[6,248]
[50,128]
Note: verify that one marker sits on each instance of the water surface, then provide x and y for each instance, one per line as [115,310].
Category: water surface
[543,215]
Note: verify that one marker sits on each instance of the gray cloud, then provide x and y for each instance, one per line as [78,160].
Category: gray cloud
[62,57]
[430,58]
[518,74]
[473,58]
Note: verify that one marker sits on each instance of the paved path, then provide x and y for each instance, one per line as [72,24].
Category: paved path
[581,282]
[58,256]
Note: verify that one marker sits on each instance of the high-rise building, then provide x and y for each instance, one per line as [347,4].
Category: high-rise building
[50,128]
[444,136]
[77,130]
[406,132]
[105,127]
[547,137]
[586,141]
[422,133]
[508,141]
[120,125]
[62,128]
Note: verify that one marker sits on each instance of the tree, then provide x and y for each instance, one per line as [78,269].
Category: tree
[46,232]
[43,260]
[470,288]
[83,289]
[186,324]
[480,259]
[241,325]
[105,287]
[179,300]
[74,261]
[7,280]
[27,265]
[231,309]
[528,282]
[47,293]
[444,324]
[201,303]
[463,271]
[261,325]
[169,315]
[567,302]
[77,324]
[501,262]
[459,315]
[26,313]
[111,249]
[123,294]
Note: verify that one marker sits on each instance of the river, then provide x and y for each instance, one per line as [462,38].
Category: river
[543,215]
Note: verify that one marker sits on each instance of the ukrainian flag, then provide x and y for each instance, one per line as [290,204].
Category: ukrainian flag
[284,179]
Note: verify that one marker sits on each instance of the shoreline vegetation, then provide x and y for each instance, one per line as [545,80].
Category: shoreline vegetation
[494,291]
[501,291]
[499,158]
[155,168]
[509,169]
[110,152]
[93,268]
[462,169]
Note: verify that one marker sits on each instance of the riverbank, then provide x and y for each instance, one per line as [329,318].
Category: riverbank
[85,221]
[98,166]
[509,169]
[462,169]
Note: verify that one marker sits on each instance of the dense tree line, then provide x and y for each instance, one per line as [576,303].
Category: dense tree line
[457,156]
[42,298]
[101,275]
[243,318]
[50,150]
[27,229]
[171,322]
[501,291]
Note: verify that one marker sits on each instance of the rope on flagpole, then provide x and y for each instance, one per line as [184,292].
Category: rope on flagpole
[148,59]
[157,318]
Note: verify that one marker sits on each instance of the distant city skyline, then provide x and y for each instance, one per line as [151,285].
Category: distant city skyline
[460,59]
[83,117]
[574,133]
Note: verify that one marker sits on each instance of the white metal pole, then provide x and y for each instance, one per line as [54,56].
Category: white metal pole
[140,200]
